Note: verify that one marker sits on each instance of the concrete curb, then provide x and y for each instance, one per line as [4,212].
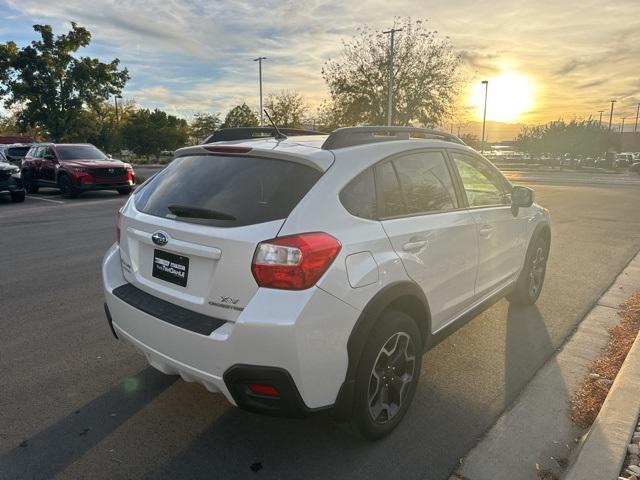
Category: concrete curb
[604,447]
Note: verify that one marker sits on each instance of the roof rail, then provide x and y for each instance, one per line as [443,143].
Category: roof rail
[347,137]
[246,133]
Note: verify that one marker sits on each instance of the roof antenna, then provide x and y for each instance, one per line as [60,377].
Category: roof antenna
[279,135]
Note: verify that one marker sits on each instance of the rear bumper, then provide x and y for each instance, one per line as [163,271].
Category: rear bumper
[295,339]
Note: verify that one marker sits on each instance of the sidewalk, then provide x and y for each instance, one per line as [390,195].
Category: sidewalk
[535,436]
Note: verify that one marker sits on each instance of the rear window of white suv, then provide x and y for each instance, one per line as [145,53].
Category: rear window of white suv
[226,191]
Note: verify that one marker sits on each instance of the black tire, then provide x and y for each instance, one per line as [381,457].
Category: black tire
[18,196]
[66,186]
[124,191]
[28,185]
[370,418]
[531,279]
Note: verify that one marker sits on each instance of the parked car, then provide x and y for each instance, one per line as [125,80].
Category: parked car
[587,162]
[635,167]
[310,274]
[16,152]
[623,160]
[10,180]
[75,168]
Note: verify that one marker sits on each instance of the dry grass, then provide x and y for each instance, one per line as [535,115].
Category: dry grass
[586,403]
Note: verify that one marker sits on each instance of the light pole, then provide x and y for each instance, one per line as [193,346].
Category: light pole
[484,116]
[611,114]
[635,129]
[600,122]
[115,100]
[392,32]
[259,60]
[622,127]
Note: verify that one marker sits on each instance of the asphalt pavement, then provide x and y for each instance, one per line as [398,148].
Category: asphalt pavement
[76,403]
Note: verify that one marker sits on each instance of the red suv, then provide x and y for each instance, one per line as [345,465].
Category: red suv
[74,168]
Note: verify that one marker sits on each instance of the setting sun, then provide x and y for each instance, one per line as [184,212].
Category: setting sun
[510,95]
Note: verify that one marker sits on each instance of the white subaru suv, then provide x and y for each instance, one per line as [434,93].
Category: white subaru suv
[308,273]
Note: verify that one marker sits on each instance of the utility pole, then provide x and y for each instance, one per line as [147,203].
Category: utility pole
[635,129]
[622,127]
[259,60]
[611,114]
[458,131]
[600,122]
[392,32]
[484,116]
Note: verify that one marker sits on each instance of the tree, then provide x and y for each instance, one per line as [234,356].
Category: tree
[240,116]
[472,140]
[51,86]
[557,138]
[287,108]
[149,132]
[203,125]
[426,77]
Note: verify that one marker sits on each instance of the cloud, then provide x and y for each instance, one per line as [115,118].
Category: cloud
[187,56]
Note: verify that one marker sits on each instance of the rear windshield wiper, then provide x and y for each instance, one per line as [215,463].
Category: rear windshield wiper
[194,212]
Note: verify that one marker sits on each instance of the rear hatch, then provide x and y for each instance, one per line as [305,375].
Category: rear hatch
[189,234]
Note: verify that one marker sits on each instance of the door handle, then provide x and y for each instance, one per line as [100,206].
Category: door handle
[416,243]
[485,231]
[413,246]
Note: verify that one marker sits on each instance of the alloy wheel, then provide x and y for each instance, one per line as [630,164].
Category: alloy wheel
[536,271]
[391,377]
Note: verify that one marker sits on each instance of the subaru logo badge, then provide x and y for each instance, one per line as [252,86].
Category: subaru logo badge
[159,238]
[111,170]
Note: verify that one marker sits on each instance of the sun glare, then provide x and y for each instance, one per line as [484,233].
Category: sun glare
[510,95]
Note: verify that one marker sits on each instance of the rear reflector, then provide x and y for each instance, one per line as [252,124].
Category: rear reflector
[294,262]
[267,390]
[227,149]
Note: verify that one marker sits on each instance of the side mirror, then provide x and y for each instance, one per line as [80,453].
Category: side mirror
[109,156]
[522,197]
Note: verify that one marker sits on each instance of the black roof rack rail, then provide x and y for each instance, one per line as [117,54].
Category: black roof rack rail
[350,136]
[246,133]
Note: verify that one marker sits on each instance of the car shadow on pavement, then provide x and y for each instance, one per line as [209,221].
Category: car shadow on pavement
[239,445]
[528,345]
[50,451]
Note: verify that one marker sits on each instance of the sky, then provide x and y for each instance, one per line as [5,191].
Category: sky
[544,59]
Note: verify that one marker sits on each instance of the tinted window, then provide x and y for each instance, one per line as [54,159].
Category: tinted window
[393,203]
[482,184]
[245,190]
[80,152]
[359,196]
[17,152]
[425,182]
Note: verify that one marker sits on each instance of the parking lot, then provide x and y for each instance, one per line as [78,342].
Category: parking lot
[76,403]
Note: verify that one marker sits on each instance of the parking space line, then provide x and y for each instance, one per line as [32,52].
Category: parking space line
[45,199]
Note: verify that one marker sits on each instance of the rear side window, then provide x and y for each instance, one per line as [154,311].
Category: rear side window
[359,196]
[226,191]
[426,182]
[415,184]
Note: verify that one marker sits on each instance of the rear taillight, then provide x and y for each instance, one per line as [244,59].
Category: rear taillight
[294,262]
[118,217]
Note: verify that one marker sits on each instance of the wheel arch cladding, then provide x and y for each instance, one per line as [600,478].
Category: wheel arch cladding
[404,296]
